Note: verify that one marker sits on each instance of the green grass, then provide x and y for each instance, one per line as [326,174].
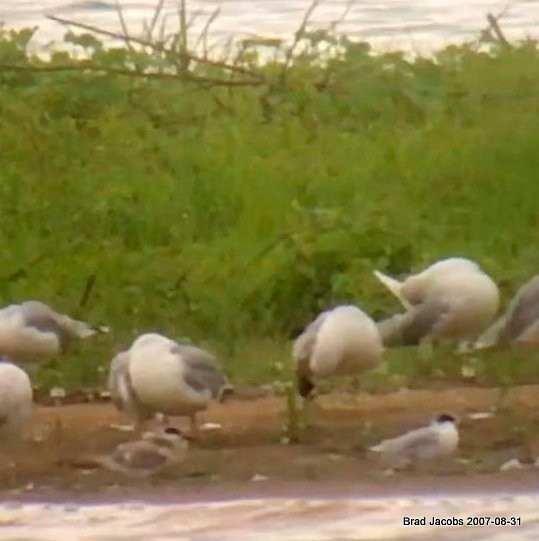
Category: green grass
[231,215]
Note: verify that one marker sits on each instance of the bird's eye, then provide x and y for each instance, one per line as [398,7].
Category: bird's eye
[172,430]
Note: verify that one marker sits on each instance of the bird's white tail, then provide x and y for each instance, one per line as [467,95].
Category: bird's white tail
[394,286]
[80,328]
[380,448]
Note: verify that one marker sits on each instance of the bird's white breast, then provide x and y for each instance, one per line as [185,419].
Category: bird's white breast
[348,340]
[15,395]
[448,437]
[157,378]
[15,386]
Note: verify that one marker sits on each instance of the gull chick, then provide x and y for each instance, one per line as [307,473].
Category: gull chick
[158,375]
[33,331]
[340,341]
[451,299]
[519,325]
[439,439]
[147,456]
[15,400]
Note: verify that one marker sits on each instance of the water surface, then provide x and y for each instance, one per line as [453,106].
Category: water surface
[411,24]
[271,519]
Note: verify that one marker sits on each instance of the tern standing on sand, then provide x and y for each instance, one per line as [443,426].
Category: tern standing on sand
[451,299]
[340,341]
[158,375]
[439,439]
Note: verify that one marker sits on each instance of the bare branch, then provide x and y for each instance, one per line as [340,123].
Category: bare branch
[297,38]
[155,18]
[88,287]
[349,5]
[158,48]
[203,37]
[182,34]
[493,24]
[22,272]
[123,24]
[189,77]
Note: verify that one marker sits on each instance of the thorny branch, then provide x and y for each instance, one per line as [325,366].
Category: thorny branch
[131,73]
[300,32]
[161,48]
[495,27]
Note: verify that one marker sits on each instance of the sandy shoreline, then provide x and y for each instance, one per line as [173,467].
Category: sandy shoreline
[498,485]
[330,462]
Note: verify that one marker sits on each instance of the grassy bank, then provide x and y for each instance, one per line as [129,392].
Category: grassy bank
[230,203]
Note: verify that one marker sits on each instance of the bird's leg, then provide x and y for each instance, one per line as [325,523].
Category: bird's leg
[356,388]
[131,420]
[413,466]
[308,404]
[501,399]
[194,433]
[426,348]
[294,415]
[464,347]
[162,419]
[300,419]
[304,413]
[138,425]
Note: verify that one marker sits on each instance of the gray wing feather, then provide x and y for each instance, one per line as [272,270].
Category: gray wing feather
[390,330]
[523,311]
[412,443]
[44,319]
[202,371]
[410,328]
[530,336]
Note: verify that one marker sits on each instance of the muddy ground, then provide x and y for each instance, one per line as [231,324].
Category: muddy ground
[331,459]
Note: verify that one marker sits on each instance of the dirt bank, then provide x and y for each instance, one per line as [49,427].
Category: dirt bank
[331,459]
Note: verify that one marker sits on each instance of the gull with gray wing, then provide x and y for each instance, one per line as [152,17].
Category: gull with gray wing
[519,326]
[452,299]
[32,331]
[158,375]
[122,394]
[343,340]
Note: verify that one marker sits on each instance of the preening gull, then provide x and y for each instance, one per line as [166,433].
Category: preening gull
[121,391]
[439,439]
[451,299]
[520,323]
[15,400]
[158,375]
[147,456]
[343,340]
[33,331]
